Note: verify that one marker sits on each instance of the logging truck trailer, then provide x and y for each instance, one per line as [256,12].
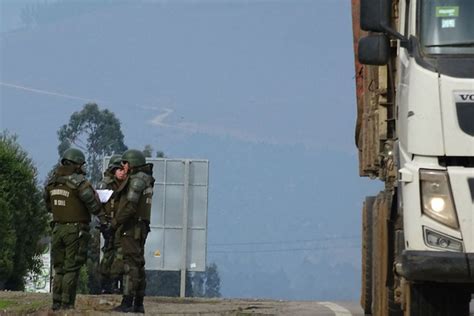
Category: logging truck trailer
[414,64]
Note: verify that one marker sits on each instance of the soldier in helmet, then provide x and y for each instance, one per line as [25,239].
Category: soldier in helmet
[113,177]
[72,200]
[133,223]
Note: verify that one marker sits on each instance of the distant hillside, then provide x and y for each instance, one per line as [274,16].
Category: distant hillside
[261,89]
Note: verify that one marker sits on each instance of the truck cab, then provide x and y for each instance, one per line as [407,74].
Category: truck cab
[419,57]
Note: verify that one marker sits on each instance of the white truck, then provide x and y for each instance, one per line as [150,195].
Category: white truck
[414,62]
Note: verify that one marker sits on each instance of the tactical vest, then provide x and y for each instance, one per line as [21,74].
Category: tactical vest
[143,211]
[65,202]
[144,204]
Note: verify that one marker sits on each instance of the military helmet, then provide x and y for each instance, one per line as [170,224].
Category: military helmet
[114,161]
[135,158]
[74,155]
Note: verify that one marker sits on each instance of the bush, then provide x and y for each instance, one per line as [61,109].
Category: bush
[23,216]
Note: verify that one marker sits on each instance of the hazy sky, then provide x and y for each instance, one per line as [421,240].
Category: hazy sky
[263,89]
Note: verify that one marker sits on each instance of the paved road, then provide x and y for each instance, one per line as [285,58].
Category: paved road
[353,308]
[341,308]
[39,304]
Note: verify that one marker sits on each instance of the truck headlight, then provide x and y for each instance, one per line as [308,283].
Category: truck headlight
[436,197]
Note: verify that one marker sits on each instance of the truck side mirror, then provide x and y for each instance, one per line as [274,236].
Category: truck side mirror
[375,15]
[374,50]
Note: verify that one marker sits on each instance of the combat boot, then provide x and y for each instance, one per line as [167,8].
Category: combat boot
[138,305]
[67,306]
[56,306]
[106,287]
[126,306]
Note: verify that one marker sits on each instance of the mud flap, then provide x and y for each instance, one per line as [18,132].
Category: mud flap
[366,291]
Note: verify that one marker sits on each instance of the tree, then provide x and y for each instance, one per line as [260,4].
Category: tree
[98,134]
[213,281]
[208,283]
[167,283]
[8,240]
[23,216]
[198,281]
[148,152]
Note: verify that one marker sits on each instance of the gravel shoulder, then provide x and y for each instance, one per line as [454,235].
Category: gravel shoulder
[20,303]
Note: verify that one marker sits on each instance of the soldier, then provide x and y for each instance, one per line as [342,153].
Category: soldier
[113,177]
[71,199]
[133,223]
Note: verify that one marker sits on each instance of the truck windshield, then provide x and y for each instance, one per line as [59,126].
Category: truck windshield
[447,26]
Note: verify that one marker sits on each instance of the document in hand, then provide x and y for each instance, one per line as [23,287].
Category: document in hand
[104,195]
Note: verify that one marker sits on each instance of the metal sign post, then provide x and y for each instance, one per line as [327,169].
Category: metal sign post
[184,233]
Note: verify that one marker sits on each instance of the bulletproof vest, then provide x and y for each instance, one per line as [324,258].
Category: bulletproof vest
[66,205]
[145,196]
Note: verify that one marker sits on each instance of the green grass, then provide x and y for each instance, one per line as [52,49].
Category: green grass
[20,307]
[30,307]
[5,304]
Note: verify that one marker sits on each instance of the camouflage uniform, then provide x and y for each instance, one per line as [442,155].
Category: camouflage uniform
[133,224]
[71,199]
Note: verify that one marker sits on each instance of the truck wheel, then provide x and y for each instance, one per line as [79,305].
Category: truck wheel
[393,308]
[438,300]
[366,292]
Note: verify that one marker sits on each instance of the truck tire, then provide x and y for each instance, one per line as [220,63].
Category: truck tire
[380,254]
[367,231]
[393,307]
[438,300]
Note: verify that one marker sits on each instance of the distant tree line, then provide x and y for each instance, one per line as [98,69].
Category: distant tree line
[198,284]
[148,152]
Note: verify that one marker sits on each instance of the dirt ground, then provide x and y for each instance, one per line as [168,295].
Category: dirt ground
[19,303]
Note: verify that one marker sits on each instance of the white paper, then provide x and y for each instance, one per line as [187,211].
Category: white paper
[104,195]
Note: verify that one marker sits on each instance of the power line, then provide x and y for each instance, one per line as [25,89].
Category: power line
[285,241]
